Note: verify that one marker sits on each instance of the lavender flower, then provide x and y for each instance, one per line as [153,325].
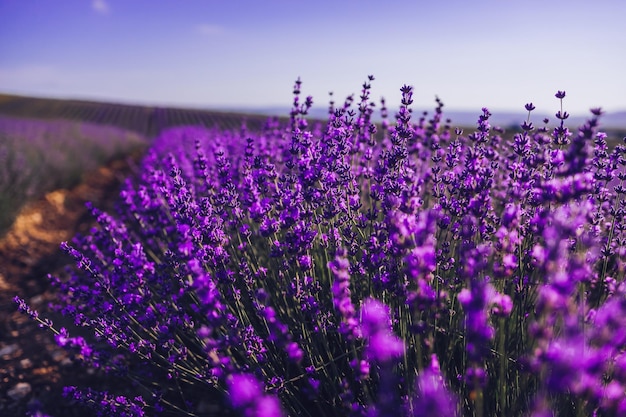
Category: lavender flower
[433,398]
[341,294]
[246,394]
[382,345]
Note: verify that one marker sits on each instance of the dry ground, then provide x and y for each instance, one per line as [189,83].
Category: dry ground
[33,370]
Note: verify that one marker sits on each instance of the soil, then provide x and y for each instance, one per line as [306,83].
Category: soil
[33,369]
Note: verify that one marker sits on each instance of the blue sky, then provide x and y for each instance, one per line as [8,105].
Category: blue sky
[228,53]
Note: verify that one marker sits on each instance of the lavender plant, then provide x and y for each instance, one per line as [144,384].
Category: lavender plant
[343,268]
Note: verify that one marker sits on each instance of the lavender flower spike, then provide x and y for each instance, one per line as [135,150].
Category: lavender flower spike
[341,293]
[246,394]
[376,327]
[434,399]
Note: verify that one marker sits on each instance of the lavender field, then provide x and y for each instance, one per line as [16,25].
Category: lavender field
[148,121]
[38,156]
[347,268]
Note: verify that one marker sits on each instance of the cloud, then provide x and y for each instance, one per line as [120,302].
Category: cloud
[100,6]
[208,29]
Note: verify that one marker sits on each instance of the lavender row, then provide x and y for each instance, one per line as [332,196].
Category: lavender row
[347,268]
[148,121]
[38,156]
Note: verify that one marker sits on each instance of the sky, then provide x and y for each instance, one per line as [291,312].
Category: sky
[225,54]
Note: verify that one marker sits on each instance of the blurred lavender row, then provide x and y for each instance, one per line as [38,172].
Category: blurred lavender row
[39,156]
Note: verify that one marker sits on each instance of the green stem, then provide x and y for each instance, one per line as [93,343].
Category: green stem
[502,377]
[478,400]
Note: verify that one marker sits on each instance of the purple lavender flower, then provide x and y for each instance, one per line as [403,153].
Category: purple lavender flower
[106,404]
[383,345]
[247,395]
[341,293]
[433,397]
[244,390]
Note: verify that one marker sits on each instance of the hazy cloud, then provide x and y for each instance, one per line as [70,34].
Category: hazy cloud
[208,29]
[101,6]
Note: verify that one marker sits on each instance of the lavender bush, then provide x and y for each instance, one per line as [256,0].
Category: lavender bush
[38,156]
[349,269]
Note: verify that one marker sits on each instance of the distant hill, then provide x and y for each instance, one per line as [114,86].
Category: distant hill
[614,119]
[147,120]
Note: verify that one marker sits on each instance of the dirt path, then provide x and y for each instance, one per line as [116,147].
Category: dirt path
[33,370]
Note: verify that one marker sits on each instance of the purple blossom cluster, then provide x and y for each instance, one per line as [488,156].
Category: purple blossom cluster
[346,268]
[247,395]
